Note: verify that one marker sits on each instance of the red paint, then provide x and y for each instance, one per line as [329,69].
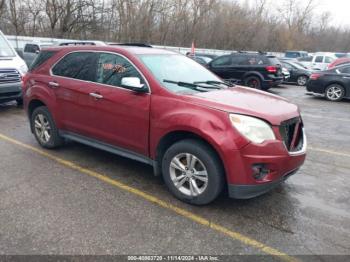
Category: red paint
[138,122]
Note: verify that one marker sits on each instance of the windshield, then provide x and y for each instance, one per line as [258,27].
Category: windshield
[177,68]
[5,48]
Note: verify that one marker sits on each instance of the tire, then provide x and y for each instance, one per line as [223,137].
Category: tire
[253,82]
[47,137]
[302,80]
[335,92]
[207,167]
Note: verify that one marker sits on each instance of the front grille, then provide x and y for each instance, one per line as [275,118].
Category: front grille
[8,76]
[292,134]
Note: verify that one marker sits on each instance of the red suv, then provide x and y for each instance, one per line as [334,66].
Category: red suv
[164,109]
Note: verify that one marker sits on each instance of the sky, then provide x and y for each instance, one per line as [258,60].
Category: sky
[339,10]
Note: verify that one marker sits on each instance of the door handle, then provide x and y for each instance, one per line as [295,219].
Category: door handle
[96,96]
[54,84]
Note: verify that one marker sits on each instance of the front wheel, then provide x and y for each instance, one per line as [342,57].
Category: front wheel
[44,128]
[335,92]
[193,172]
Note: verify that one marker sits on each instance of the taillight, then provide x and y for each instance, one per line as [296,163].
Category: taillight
[271,69]
[315,76]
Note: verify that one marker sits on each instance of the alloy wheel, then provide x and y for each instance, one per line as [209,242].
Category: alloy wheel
[334,93]
[188,174]
[42,128]
[302,80]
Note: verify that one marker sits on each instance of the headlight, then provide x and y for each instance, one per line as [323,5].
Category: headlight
[23,69]
[252,128]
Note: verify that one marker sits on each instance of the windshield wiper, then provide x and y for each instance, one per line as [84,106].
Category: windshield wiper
[194,86]
[211,82]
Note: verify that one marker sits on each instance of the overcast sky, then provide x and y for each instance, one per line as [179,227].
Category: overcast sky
[339,9]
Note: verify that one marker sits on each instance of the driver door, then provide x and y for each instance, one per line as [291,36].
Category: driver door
[121,116]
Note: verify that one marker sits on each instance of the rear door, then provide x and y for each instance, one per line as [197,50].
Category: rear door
[73,80]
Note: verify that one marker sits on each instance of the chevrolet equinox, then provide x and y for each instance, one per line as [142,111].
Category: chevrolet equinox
[161,108]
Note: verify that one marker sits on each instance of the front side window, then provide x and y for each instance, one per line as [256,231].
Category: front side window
[77,65]
[177,68]
[222,61]
[111,68]
[240,60]
[319,59]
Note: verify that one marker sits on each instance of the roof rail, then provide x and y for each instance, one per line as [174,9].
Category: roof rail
[132,44]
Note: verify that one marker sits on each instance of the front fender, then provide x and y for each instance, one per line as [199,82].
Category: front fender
[210,124]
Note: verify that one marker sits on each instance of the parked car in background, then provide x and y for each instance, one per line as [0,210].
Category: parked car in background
[334,84]
[319,61]
[339,62]
[298,73]
[341,55]
[211,56]
[295,54]
[286,74]
[256,70]
[31,51]
[164,109]
[12,69]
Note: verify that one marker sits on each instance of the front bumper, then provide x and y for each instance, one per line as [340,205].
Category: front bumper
[256,169]
[9,92]
[251,191]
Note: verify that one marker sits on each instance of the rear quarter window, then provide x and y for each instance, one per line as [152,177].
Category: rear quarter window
[41,59]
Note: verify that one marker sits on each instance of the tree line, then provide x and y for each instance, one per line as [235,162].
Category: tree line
[219,24]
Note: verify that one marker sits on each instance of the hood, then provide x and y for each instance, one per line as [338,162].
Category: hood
[247,101]
[13,62]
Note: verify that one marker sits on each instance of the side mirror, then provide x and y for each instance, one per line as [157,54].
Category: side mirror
[37,51]
[133,83]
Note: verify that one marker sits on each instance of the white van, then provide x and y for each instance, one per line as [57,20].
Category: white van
[12,69]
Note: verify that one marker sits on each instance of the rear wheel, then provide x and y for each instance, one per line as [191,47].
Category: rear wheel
[335,92]
[193,172]
[44,128]
[253,82]
[302,80]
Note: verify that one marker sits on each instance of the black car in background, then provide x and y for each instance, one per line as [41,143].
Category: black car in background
[334,84]
[256,70]
[203,60]
[298,73]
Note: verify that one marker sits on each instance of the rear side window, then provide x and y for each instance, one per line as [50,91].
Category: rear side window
[41,59]
[222,61]
[78,65]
